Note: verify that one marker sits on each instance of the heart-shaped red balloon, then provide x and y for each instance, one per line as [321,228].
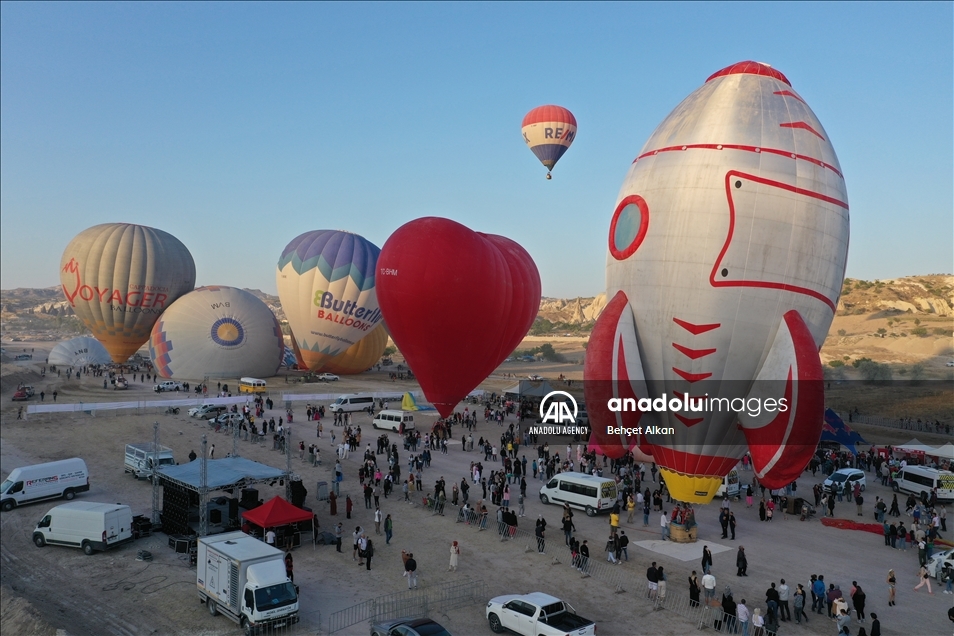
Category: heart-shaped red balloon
[456,302]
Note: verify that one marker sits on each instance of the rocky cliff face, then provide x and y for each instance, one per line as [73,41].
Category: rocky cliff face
[924,295]
[574,311]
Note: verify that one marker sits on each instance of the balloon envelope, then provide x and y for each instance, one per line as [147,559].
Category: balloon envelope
[78,352]
[360,356]
[456,302]
[120,277]
[326,284]
[549,131]
[221,332]
[726,257]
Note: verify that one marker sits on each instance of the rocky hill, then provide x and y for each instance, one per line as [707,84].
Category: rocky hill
[917,307]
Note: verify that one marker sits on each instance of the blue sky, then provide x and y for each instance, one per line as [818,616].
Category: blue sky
[237,127]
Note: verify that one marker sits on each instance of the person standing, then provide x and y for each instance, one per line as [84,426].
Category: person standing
[732,524]
[368,552]
[799,603]
[355,538]
[362,548]
[663,525]
[892,582]
[410,571]
[270,537]
[706,559]
[693,590]
[783,594]
[858,599]
[377,520]
[741,562]
[539,533]
[724,522]
[338,533]
[349,506]
[875,625]
[211,451]
[454,554]
[333,500]
[388,529]
[709,585]
[742,615]
[652,580]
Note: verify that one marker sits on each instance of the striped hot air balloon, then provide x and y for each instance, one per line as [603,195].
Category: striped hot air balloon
[326,284]
[549,131]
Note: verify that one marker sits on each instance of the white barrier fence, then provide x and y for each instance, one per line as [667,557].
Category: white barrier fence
[74,407]
[67,407]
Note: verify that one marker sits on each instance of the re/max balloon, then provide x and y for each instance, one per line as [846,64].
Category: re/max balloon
[457,303]
[727,251]
[326,286]
[549,131]
[120,277]
[217,332]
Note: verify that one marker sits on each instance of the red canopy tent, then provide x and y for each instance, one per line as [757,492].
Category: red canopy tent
[276,512]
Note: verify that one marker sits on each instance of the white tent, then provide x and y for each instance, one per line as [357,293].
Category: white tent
[944,452]
[915,446]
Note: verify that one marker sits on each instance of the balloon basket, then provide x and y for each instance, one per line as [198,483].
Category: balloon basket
[548,176]
[679,534]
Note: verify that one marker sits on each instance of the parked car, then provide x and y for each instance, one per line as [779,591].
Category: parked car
[936,563]
[23,393]
[845,476]
[121,383]
[327,377]
[168,385]
[534,377]
[536,614]
[409,627]
[225,418]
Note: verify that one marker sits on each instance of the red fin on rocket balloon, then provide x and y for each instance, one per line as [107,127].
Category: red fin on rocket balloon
[782,442]
[613,370]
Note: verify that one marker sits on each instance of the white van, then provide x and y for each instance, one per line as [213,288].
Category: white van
[397,421]
[731,485]
[351,403]
[587,492]
[140,458]
[920,481]
[85,524]
[64,479]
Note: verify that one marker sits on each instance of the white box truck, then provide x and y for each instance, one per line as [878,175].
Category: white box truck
[141,457]
[92,526]
[244,578]
[27,484]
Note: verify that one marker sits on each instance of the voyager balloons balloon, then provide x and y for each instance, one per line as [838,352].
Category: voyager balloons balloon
[326,286]
[549,131]
[457,303]
[120,277]
[727,251]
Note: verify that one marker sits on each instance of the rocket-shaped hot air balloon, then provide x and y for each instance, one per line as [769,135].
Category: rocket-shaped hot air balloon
[727,251]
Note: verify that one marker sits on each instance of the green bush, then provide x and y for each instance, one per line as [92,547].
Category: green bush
[836,363]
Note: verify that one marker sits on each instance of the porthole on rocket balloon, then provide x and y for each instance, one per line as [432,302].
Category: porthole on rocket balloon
[628,227]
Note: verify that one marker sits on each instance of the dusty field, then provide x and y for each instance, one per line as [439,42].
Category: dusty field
[111,593]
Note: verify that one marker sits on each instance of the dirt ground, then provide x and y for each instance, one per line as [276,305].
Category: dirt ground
[60,590]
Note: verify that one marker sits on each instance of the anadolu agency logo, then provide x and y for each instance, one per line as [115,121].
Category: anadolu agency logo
[558,413]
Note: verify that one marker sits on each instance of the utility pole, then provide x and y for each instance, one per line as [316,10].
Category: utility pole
[155,474]
[204,488]
[288,472]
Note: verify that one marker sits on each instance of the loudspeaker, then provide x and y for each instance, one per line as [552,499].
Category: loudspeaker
[215,516]
[233,510]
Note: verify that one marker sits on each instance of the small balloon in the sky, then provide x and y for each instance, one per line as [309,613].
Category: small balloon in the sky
[549,131]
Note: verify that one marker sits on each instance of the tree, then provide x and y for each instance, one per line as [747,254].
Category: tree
[389,351]
[549,354]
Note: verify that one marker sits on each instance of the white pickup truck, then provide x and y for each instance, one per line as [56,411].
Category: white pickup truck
[536,614]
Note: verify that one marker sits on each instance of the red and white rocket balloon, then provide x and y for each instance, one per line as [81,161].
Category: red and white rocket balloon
[727,252]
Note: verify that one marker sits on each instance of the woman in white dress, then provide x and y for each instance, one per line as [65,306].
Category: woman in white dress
[454,553]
